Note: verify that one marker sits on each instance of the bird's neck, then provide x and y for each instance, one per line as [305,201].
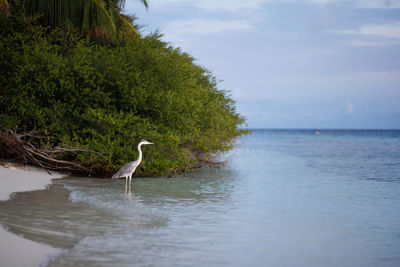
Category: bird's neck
[140,153]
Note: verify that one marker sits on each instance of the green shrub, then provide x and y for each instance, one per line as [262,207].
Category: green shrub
[106,98]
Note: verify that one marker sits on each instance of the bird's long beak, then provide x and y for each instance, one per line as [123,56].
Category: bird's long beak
[150,143]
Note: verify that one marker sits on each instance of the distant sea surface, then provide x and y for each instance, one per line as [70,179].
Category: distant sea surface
[284,198]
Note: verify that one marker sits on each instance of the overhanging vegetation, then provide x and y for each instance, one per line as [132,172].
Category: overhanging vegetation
[102,98]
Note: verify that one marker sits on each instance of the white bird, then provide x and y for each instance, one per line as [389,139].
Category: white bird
[127,170]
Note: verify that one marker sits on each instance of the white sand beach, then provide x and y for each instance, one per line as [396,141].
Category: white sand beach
[16,250]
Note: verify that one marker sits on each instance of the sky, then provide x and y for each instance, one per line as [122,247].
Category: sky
[292,63]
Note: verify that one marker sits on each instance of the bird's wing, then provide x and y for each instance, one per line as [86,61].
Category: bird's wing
[126,170]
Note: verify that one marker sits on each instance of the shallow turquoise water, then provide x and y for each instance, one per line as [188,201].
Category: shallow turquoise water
[285,198]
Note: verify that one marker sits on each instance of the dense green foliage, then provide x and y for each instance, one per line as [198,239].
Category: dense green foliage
[106,98]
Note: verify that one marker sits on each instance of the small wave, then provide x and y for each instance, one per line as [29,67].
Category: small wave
[53,256]
[75,196]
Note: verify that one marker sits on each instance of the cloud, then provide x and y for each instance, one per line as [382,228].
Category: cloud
[372,4]
[240,5]
[212,5]
[233,6]
[384,30]
[391,30]
[371,43]
[364,43]
[378,3]
[229,5]
[206,26]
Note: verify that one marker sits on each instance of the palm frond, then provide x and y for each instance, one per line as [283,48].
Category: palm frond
[4,6]
[126,24]
[103,16]
[90,16]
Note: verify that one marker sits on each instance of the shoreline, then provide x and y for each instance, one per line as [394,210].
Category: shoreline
[13,179]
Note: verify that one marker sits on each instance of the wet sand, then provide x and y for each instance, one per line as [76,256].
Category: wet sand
[16,250]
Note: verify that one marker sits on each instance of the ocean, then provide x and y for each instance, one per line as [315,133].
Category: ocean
[283,198]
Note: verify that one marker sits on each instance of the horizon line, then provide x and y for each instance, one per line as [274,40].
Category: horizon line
[327,129]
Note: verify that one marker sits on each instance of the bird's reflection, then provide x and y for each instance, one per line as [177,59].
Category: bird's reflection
[129,195]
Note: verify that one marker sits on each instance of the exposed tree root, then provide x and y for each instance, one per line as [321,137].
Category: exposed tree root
[18,148]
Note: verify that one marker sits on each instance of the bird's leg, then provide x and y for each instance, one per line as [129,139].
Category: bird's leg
[127,185]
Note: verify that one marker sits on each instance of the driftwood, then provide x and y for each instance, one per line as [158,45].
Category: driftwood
[18,147]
